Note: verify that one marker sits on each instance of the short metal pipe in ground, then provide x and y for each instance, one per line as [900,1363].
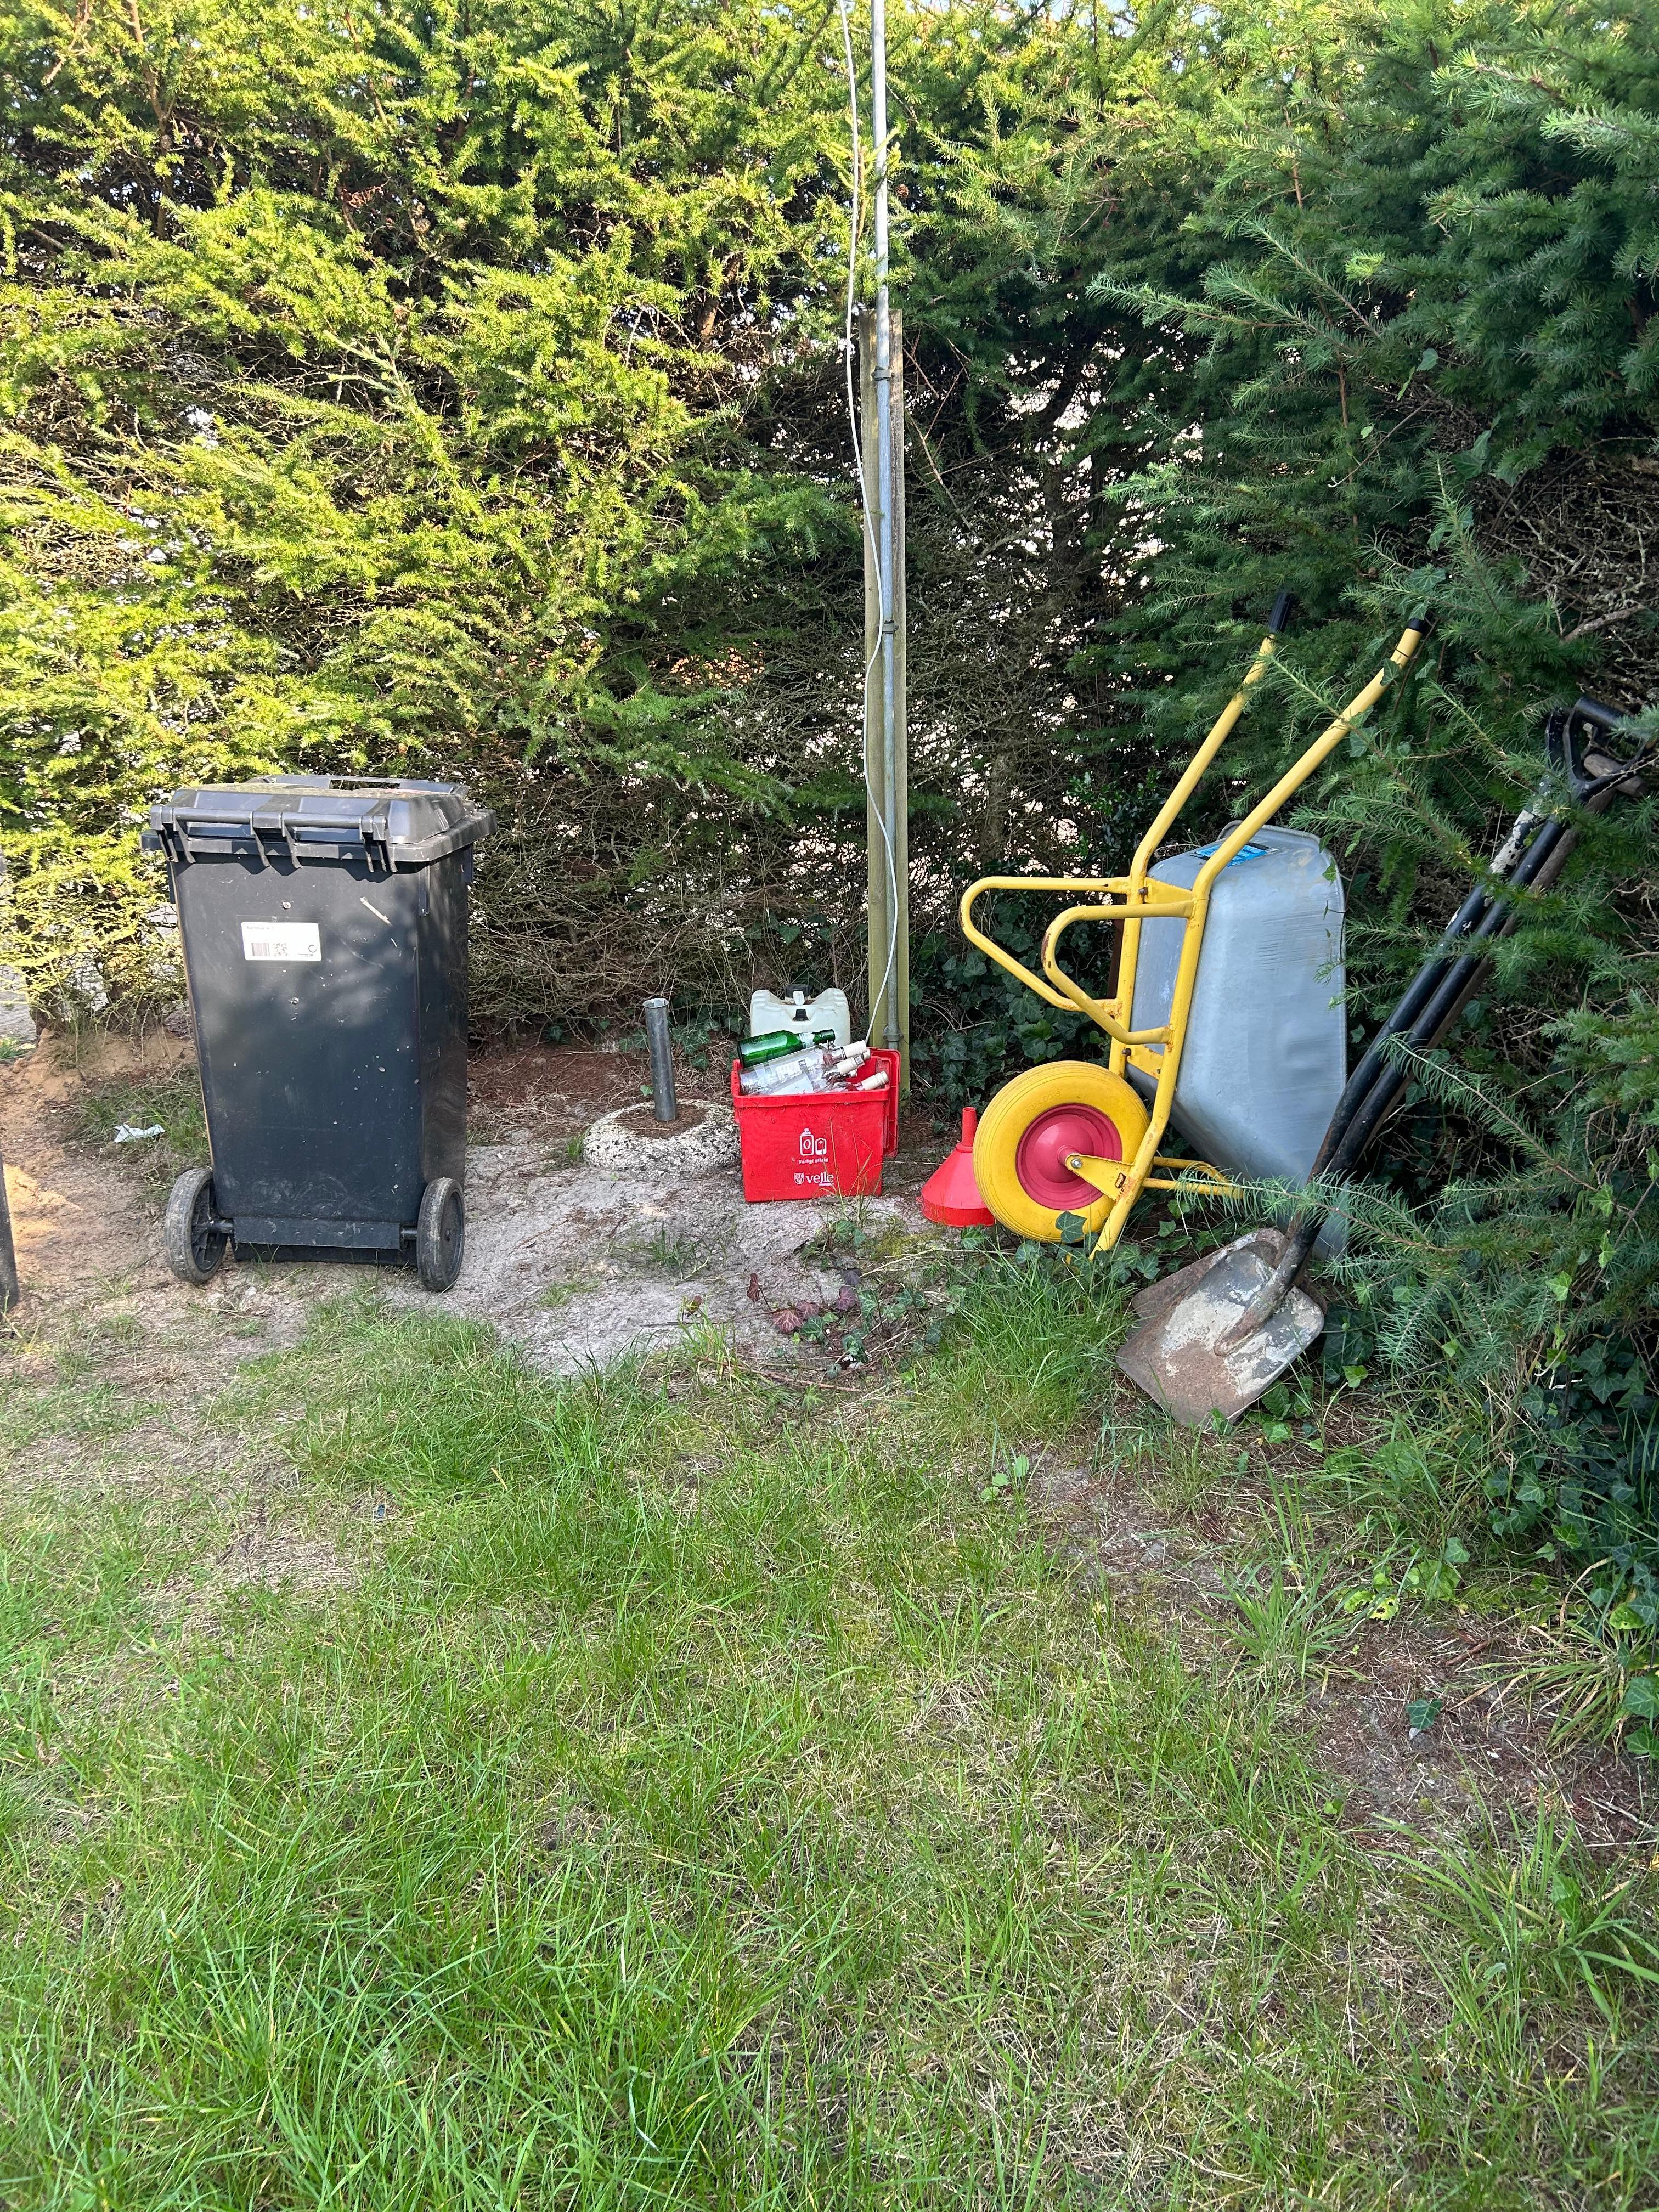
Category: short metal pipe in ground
[663,1102]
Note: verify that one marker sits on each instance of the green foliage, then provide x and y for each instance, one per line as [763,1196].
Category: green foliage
[1424,306]
[976,1018]
[1527,1926]
[372,399]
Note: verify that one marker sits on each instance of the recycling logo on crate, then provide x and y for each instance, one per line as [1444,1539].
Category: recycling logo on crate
[814,1173]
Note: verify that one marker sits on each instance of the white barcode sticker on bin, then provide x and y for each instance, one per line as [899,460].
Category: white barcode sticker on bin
[281,940]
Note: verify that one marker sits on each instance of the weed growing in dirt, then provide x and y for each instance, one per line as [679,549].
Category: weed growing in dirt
[667,1249]
[1592,1680]
[1294,1621]
[139,1101]
[1527,1927]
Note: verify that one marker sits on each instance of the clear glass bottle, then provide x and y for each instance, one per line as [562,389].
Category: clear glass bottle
[820,1070]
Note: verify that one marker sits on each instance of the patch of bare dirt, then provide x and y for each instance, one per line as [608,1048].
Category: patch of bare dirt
[642,1122]
[579,1264]
[554,1092]
[921,1148]
[77,1219]
[1109,1529]
[1481,1754]
[1481,1750]
[271,1551]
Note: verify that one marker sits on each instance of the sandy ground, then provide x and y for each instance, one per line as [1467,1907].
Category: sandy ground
[576,1264]
[74,1221]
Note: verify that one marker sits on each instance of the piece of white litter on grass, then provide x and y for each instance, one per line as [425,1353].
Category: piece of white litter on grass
[126,1134]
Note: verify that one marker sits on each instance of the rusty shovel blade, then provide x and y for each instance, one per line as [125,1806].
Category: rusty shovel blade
[1176,1354]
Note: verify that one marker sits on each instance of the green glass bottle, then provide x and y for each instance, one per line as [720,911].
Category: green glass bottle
[754,1052]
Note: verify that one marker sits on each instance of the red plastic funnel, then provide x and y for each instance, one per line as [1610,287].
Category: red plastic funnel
[950,1194]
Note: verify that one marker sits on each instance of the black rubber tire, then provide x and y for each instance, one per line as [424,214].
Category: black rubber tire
[195,1249]
[440,1235]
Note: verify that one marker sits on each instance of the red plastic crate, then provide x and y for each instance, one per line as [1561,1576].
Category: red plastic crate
[813,1143]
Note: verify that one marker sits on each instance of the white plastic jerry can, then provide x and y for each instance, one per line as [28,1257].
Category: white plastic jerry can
[828,1011]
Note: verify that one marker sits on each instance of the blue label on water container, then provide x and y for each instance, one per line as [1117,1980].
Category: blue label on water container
[1244,851]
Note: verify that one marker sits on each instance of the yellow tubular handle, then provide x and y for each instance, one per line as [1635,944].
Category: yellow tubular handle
[1176,906]
[1128,961]
[1220,730]
[1068,996]
[976,935]
[1293,778]
[1140,905]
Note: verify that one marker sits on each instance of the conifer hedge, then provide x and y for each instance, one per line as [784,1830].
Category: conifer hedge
[460,388]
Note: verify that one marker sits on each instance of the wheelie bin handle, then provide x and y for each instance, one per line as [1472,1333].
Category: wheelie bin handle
[319,830]
[295,830]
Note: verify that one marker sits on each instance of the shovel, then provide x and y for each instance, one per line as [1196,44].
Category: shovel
[1212,1337]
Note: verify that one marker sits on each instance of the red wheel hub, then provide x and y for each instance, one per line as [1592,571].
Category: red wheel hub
[1040,1163]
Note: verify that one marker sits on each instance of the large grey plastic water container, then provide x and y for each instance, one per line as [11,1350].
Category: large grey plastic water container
[1266,1050]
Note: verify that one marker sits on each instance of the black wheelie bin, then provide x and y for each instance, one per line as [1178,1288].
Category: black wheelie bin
[324,926]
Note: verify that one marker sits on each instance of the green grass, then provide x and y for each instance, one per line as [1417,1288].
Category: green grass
[712,1800]
[673,1254]
[63,1390]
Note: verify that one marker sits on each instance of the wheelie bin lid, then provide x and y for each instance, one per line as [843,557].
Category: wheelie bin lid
[405,822]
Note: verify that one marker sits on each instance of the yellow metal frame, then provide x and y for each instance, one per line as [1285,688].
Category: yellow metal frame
[1133,900]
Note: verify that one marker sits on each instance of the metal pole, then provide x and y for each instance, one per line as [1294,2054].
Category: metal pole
[889,665]
[898,754]
[663,1102]
[880,921]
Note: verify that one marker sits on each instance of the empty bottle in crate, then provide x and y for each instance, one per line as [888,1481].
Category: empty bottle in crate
[756,1051]
[822,1068]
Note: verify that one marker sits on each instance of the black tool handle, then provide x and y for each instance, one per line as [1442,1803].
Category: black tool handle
[1425,985]
[1423,1016]
[8,1251]
[1436,997]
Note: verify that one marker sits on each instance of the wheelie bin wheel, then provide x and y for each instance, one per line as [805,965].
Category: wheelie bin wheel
[195,1248]
[1028,1129]
[440,1235]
